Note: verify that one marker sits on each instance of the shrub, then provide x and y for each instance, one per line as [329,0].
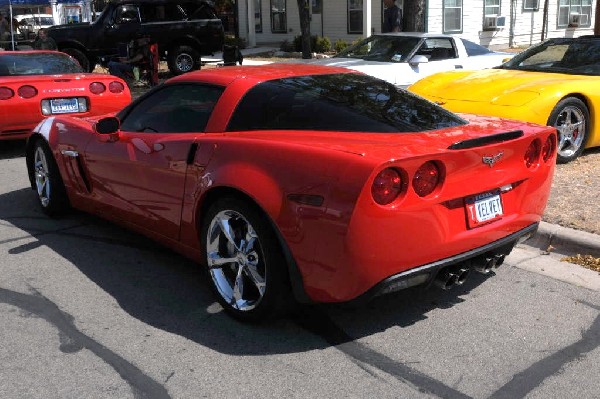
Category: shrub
[339,45]
[322,45]
[317,44]
[231,40]
[286,46]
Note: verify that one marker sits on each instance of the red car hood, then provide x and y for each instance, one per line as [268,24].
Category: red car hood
[385,146]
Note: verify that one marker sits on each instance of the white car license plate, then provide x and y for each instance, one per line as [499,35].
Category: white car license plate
[483,208]
[64,105]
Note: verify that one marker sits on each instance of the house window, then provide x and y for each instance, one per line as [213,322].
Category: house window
[452,16]
[258,16]
[531,5]
[574,13]
[278,16]
[355,16]
[492,8]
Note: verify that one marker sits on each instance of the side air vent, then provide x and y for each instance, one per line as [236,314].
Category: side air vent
[486,140]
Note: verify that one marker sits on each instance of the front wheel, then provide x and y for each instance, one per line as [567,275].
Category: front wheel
[51,192]
[571,118]
[244,261]
[183,59]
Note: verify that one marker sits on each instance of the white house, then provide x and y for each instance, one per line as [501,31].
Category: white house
[492,23]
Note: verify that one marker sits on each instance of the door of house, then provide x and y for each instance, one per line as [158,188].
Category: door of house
[316,17]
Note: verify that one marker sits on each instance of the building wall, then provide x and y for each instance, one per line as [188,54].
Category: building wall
[526,25]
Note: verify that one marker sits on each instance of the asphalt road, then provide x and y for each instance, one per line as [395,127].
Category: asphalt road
[90,310]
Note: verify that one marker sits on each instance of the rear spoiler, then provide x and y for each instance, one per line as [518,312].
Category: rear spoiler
[481,141]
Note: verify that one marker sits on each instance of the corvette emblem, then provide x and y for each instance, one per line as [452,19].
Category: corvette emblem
[493,159]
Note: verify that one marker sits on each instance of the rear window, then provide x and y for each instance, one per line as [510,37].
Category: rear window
[37,64]
[337,102]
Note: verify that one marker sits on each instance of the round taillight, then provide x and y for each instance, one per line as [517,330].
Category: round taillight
[386,186]
[97,88]
[116,87]
[532,155]
[426,179]
[27,91]
[6,93]
[549,148]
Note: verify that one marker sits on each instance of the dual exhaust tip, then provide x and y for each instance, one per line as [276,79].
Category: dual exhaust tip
[452,276]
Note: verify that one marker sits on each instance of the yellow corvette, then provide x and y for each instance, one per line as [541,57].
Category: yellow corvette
[556,83]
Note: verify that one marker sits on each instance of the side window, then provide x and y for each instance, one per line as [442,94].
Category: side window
[126,13]
[437,49]
[174,109]
[150,12]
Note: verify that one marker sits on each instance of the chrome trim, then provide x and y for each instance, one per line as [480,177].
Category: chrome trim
[70,153]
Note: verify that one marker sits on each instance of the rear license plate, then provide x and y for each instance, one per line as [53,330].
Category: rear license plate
[484,208]
[64,105]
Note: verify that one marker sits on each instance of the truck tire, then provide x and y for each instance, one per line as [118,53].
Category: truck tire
[183,59]
[80,57]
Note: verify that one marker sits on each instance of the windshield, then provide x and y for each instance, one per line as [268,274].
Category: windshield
[382,48]
[571,56]
[37,64]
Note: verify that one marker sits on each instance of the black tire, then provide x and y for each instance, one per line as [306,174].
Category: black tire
[49,186]
[183,59]
[80,56]
[571,118]
[259,262]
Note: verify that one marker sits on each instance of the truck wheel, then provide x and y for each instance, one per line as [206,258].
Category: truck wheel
[80,57]
[183,59]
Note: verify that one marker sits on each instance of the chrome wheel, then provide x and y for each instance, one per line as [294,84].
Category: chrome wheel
[42,176]
[185,62]
[235,260]
[571,126]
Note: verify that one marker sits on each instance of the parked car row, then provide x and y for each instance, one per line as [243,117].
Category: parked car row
[306,183]
[286,183]
[555,83]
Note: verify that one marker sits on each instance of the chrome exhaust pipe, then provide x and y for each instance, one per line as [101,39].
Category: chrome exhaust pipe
[485,264]
[446,279]
[462,275]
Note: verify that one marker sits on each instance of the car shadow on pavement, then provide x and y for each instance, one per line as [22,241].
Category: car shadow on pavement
[169,292]
[12,149]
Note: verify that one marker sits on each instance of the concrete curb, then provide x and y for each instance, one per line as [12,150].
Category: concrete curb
[564,240]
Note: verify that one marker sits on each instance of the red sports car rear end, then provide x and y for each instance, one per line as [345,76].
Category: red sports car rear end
[37,84]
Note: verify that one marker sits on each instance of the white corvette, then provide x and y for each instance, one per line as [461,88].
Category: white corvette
[405,57]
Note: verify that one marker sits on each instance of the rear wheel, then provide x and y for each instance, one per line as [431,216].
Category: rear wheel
[244,261]
[183,59]
[81,58]
[571,118]
[51,192]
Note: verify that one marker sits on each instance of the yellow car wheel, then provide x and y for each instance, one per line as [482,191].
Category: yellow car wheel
[571,118]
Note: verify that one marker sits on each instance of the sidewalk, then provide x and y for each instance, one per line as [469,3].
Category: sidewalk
[565,241]
[217,57]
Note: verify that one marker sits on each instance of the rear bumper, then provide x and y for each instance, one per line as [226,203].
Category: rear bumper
[425,274]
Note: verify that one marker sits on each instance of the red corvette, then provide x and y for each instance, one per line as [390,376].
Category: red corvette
[35,84]
[302,182]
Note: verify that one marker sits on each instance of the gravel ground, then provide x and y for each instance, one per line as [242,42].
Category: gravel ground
[575,190]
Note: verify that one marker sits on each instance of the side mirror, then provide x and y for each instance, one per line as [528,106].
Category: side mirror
[107,125]
[418,59]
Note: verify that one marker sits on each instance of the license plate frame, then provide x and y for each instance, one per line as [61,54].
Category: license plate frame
[484,208]
[64,105]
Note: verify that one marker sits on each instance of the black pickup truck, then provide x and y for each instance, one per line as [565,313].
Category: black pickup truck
[183,29]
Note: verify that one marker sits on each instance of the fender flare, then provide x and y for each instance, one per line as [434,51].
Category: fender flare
[268,197]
